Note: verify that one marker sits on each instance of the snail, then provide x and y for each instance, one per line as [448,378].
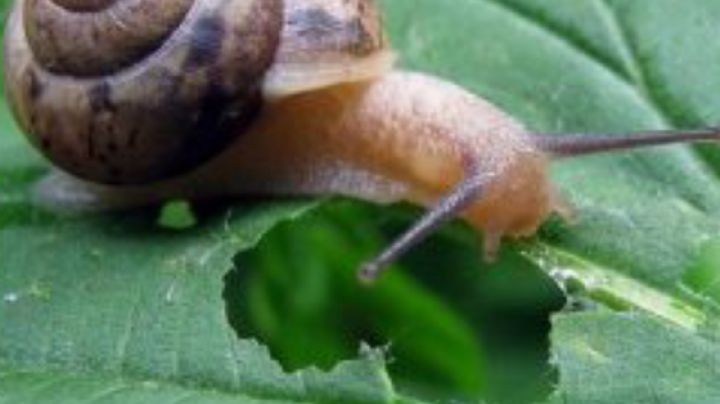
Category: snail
[141,101]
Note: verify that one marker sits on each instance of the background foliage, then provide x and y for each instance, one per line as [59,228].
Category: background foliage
[257,300]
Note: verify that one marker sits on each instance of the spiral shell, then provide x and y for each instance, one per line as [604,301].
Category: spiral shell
[136,91]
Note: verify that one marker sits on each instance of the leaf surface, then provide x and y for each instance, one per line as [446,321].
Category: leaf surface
[144,306]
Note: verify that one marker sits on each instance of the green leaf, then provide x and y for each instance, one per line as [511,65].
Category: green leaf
[60,388]
[643,217]
[630,358]
[148,306]
[119,295]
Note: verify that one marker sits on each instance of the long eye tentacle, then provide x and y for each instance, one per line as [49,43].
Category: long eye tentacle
[576,145]
[465,194]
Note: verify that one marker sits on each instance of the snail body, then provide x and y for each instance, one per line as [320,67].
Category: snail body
[270,97]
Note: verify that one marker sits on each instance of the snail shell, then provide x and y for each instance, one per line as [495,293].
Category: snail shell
[138,91]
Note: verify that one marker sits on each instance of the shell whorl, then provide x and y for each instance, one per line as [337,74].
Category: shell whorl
[95,37]
[135,91]
[84,5]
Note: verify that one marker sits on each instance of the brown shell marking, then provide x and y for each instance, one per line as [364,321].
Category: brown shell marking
[92,38]
[318,30]
[164,114]
[84,5]
[328,42]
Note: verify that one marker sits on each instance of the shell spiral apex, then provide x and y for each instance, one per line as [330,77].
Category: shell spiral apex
[136,91]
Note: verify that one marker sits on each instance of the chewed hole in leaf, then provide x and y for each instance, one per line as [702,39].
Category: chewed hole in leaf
[298,293]
[290,292]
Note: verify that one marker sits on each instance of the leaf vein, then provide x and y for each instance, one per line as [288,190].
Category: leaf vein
[234,356]
[184,397]
[640,77]
[105,393]
[561,35]
[645,86]
[126,335]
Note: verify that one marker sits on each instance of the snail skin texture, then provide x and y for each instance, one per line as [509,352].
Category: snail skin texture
[141,101]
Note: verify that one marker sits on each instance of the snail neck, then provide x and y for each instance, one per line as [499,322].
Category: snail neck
[402,137]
